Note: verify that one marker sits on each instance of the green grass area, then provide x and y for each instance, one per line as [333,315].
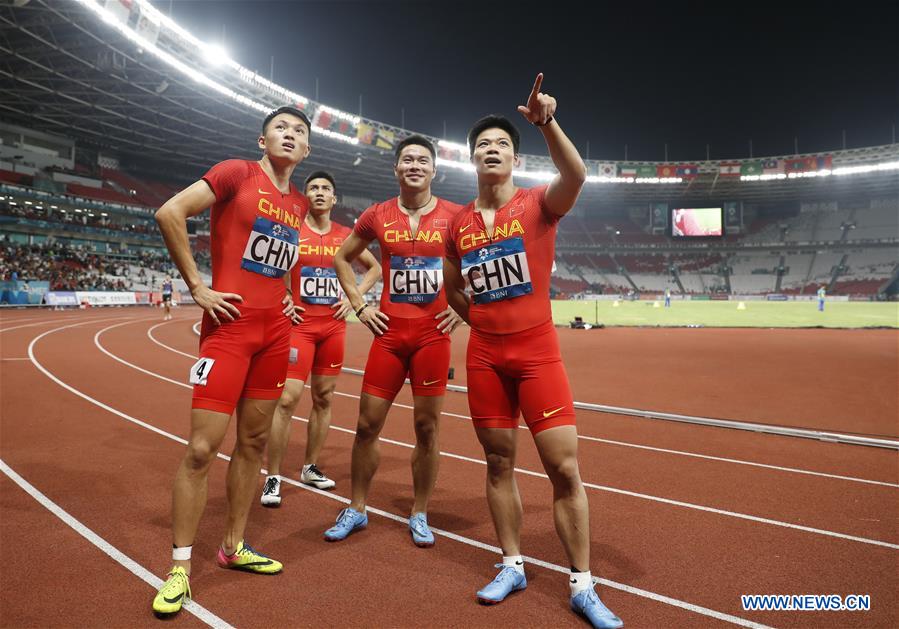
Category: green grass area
[757,314]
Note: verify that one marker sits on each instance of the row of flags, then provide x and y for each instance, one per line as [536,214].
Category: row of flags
[725,169]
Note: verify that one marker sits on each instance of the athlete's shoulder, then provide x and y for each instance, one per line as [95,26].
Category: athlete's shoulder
[233,168]
[448,207]
[340,230]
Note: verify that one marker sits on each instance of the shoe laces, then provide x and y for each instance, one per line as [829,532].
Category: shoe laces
[315,472]
[176,582]
[419,524]
[271,485]
[507,573]
[246,549]
[345,518]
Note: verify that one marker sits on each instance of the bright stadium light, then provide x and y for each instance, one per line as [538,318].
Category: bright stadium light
[215,54]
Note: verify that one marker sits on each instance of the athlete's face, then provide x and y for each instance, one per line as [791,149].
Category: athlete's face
[321,195]
[415,168]
[286,138]
[494,154]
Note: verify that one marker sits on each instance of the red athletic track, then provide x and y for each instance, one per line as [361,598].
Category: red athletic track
[115,476]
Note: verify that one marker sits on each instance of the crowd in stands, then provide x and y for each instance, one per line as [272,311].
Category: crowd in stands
[71,217]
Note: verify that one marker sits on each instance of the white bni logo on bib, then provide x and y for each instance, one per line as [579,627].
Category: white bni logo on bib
[415,279]
[498,271]
[319,285]
[199,373]
[271,249]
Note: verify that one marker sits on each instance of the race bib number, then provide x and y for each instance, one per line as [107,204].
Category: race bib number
[498,271]
[271,249]
[318,285]
[199,373]
[415,279]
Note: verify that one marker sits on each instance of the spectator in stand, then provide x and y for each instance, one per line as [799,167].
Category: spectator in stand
[822,294]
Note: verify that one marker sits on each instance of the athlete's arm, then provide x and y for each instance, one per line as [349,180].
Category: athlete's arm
[372,275]
[172,219]
[350,250]
[565,187]
[291,309]
[454,284]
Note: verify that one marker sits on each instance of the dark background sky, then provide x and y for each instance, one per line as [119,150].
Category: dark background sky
[636,73]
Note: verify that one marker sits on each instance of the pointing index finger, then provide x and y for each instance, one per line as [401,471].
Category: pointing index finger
[537,83]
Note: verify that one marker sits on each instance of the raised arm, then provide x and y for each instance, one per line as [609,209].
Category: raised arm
[565,187]
[172,219]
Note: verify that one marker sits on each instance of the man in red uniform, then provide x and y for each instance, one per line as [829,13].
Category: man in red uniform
[316,344]
[411,330]
[502,247]
[245,335]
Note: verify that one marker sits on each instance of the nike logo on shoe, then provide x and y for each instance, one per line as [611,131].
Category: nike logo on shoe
[552,412]
[173,600]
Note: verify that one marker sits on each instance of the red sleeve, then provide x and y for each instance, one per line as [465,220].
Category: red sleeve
[225,177]
[450,245]
[538,194]
[365,226]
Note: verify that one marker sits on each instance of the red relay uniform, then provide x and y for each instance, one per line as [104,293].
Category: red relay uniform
[413,295]
[317,343]
[254,235]
[513,361]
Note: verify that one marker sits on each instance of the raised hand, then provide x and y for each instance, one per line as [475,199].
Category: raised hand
[540,107]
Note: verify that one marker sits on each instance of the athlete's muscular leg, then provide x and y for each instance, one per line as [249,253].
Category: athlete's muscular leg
[254,420]
[558,452]
[207,430]
[502,492]
[280,432]
[366,447]
[320,417]
[426,455]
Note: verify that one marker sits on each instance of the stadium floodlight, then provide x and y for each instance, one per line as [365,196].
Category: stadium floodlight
[215,54]
[27,202]
[453,146]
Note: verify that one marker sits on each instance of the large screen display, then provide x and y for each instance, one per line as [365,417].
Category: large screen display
[692,222]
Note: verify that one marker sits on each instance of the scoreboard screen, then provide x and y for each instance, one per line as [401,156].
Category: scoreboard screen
[697,222]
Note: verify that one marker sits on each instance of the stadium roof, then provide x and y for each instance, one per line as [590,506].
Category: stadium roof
[124,79]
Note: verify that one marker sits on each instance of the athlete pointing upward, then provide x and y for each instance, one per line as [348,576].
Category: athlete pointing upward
[502,247]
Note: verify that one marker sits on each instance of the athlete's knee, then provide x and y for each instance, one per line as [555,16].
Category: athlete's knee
[288,401]
[321,397]
[426,430]
[368,428]
[565,475]
[499,464]
[199,456]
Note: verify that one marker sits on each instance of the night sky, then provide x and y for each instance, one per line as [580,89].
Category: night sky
[637,73]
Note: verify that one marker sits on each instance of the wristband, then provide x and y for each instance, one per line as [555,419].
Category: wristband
[359,312]
[548,120]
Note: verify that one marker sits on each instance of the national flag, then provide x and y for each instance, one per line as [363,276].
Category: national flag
[365,133]
[384,139]
[824,162]
[729,169]
[322,118]
[801,164]
[345,127]
[646,171]
[627,171]
[665,170]
[687,171]
[607,169]
[751,168]
[772,166]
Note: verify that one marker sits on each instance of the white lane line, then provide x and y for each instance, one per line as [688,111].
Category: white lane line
[397,518]
[615,490]
[31,325]
[779,468]
[114,553]
[161,344]
[14,359]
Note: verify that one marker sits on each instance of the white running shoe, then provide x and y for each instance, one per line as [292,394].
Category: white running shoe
[271,492]
[313,476]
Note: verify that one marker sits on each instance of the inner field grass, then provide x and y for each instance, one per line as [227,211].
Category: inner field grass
[757,314]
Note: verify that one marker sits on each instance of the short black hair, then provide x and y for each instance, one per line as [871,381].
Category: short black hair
[417,140]
[494,122]
[287,109]
[320,174]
